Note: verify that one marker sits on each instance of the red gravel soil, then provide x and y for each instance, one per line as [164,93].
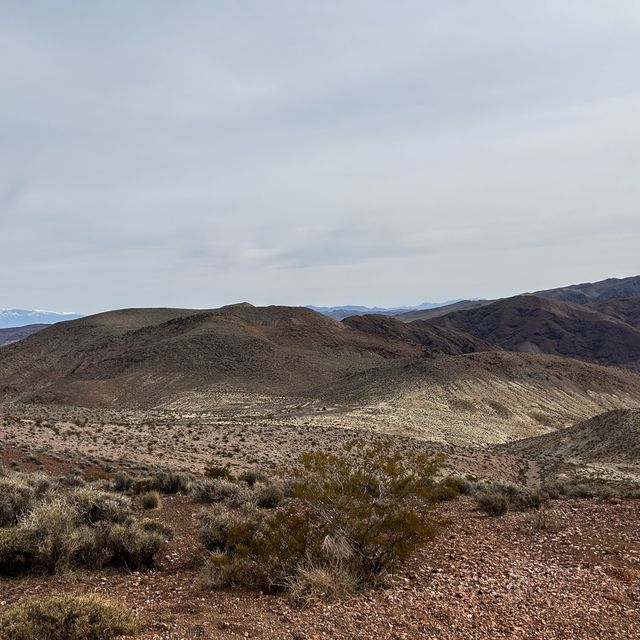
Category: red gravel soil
[575,575]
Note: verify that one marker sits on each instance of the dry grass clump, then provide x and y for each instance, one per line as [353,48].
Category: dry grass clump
[127,546]
[65,618]
[216,471]
[220,489]
[16,498]
[542,521]
[251,476]
[155,526]
[325,582]
[269,497]
[77,527]
[348,522]
[166,482]
[99,506]
[496,499]
[151,500]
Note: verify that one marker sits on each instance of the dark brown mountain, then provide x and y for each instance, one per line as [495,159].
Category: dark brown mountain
[539,325]
[586,293]
[141,356]
[595,291]
[625,309]
[14,334]
[434,339]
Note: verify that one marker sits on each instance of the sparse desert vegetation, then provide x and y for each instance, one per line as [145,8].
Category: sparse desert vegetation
[440,489]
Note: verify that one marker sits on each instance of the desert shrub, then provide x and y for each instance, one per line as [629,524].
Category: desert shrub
[117,545]
[224,529]
[493,503]
[65,618]
[269,497]
[52,524]
[498,498]
[448,488]
[99,506]
[326,582]
[588,489]
[155,526]
[379,501]
[260,552]
[18,551]
[151,500]
[218,471]
[358,515]
[122,482]
[41,483]
[528,500]
[71,480]
[542,521]
[16,498]
[251,476]
[171,482]
[219,490]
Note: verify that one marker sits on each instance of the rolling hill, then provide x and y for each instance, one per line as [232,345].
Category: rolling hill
[414,378]
[142,356]
[612,437]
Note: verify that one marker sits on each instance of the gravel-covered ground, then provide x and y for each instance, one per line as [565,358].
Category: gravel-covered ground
[573,574]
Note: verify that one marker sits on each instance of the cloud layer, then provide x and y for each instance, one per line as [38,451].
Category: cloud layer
[196,154]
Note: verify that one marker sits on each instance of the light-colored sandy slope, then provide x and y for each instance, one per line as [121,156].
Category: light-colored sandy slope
[607,445]
[481,398]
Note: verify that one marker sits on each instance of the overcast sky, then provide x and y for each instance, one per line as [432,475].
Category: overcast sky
[198,153]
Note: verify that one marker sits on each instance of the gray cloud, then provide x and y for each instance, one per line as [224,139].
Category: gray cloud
[295,152]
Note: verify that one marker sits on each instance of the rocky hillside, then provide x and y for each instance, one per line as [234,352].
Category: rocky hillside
[143,355]
[538,325]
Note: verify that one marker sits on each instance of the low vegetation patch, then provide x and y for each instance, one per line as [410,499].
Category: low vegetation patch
[65,618]
[64,527]
[151,500]
[496,499]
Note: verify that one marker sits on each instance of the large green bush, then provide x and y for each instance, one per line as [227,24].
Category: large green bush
[358,515]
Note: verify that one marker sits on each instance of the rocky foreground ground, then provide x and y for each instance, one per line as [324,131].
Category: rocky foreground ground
[573,572]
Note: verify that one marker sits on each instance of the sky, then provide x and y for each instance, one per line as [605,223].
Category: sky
[200,153]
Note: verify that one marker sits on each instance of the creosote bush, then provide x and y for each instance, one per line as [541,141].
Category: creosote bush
[65,617]
[349,521]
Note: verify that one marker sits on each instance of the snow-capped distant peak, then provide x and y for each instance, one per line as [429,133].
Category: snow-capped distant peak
[23,317]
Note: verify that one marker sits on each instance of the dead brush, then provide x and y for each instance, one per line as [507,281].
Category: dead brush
[542,521]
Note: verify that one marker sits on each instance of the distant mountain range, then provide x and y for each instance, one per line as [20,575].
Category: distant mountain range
[596,322]
[11,318]
[345,311]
